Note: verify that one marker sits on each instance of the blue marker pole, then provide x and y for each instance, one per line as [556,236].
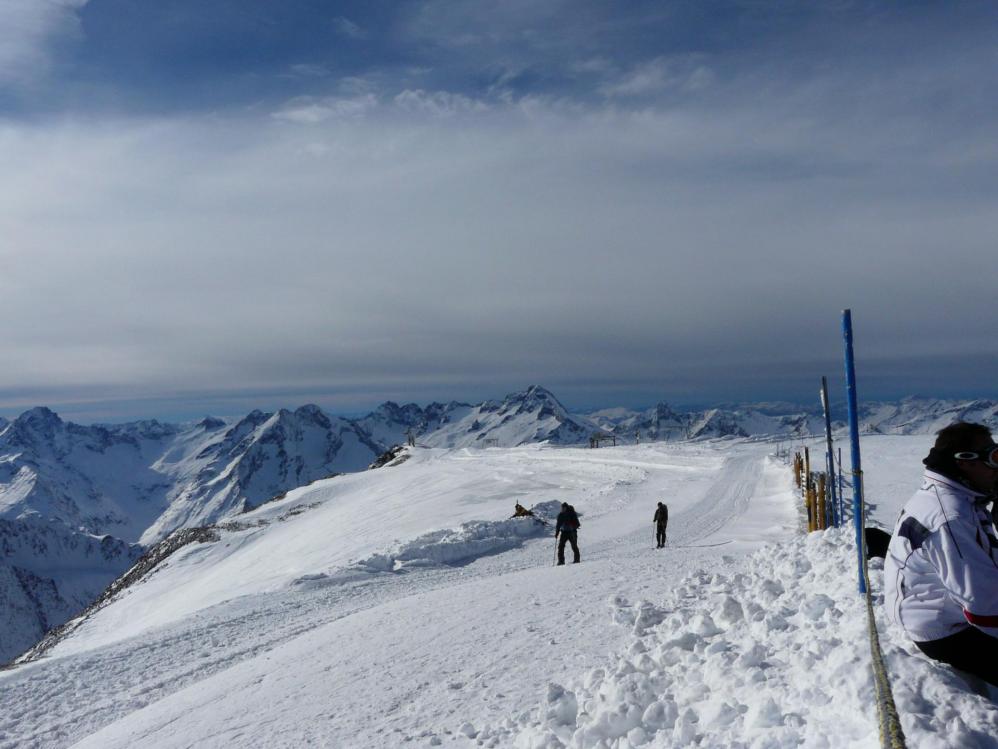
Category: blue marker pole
[857,470]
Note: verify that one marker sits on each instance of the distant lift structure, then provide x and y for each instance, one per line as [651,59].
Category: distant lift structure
[598,439]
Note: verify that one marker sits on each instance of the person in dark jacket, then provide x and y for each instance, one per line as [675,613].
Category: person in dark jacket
[661,521]
[567,526]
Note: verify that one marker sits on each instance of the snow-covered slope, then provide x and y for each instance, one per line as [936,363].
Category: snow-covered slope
[401,607]
[63,485]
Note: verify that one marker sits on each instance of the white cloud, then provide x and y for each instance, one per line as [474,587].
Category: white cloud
[309,70]
[30,30]
[658,75]
[348,28]
[312,111]
[698,246]
[438,103]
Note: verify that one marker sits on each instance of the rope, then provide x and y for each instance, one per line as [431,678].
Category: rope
[891,735]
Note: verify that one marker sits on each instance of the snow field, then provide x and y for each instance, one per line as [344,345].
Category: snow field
[401,608]
[774,655]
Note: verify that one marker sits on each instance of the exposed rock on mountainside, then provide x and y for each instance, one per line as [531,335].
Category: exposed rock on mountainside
[142,566]
[48,572]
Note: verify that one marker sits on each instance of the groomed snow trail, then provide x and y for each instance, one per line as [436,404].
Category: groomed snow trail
[410,657]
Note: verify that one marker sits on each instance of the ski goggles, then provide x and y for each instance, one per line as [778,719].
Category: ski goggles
[988,455]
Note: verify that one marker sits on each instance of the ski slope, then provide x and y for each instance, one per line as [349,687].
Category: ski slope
[401,607]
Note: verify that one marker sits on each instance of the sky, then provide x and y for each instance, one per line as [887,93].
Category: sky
[215,206]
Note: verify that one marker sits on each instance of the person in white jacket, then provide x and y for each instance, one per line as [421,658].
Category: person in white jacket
[941,568]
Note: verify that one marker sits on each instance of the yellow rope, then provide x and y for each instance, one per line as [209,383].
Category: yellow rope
[891,735]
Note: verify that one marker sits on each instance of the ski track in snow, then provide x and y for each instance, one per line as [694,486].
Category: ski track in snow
[504,650]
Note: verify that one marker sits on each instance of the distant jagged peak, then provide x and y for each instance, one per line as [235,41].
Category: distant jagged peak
[286,419]
[535,397]
[391,411]
[664,412]
[535,391]
[209,423]
[254,418]
[147,428]
[309,409]
[36,426]
[442,412]
[312,413]
[39,416]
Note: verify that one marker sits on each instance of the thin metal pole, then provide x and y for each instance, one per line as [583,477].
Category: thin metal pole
[857,469]
[829,457]
[842,509]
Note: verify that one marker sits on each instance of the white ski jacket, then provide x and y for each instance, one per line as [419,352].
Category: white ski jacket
[941,569]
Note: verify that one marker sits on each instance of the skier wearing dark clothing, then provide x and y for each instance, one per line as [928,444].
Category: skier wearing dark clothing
[567,526]
[661,521]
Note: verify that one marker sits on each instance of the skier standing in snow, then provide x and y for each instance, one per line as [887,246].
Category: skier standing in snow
[941,569]
[567,526]
[661,521]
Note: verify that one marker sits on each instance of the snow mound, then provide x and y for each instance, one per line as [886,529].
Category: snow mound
[774,656]
[452,546]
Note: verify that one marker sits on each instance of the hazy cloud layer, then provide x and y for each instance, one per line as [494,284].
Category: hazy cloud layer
[31,32]
[682,223]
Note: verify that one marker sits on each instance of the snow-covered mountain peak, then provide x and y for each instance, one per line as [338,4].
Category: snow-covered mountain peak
[664,410]
[312,413]
[535,399]
[39,415]
[39,420]
[290,423]
[255,417]
[148,429]
[531,415]
[409,414]
[210,423]
[38,428]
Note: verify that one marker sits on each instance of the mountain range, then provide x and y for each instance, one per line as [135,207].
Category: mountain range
[80,504]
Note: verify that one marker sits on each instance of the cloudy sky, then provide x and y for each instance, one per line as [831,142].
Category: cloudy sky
[209,206]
